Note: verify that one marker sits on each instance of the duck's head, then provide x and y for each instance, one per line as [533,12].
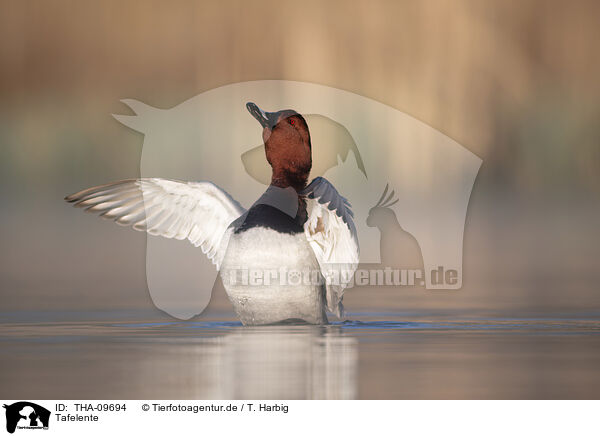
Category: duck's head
[287,145]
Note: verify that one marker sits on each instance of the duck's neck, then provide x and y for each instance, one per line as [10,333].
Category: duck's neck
[294,179]
[298,183]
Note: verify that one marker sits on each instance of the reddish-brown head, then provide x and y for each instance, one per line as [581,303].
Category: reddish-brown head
[287,146]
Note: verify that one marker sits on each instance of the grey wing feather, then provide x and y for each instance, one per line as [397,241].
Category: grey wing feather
[331,234]
[197,211]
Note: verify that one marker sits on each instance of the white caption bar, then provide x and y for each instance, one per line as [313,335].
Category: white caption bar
[300,417]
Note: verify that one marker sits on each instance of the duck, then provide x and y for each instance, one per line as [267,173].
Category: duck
[288,258]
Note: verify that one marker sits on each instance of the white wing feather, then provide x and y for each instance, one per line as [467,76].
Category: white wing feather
[331,234]
[198,211]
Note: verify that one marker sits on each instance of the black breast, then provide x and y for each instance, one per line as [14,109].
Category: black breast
[263,215]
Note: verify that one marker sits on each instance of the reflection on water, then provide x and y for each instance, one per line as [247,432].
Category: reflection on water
[270,363]
[179,360]
[372,356]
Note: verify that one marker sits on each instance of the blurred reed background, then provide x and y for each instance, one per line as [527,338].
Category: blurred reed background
[514,82]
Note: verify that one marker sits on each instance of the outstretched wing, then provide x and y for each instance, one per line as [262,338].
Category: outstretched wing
[331,234]
[198,211]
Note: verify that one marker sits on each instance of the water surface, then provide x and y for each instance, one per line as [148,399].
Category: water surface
[370,355]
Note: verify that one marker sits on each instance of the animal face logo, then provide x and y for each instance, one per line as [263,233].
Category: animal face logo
[26,415]
[358,144]
[382,210]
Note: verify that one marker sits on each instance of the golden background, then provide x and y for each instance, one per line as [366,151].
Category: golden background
[514,82]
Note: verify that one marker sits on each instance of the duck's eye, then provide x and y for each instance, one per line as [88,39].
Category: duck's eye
[292,121]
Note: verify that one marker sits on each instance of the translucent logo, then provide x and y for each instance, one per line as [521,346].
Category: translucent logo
[391,167]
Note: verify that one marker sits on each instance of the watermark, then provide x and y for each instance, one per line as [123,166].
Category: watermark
[409,185]
[385,276]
